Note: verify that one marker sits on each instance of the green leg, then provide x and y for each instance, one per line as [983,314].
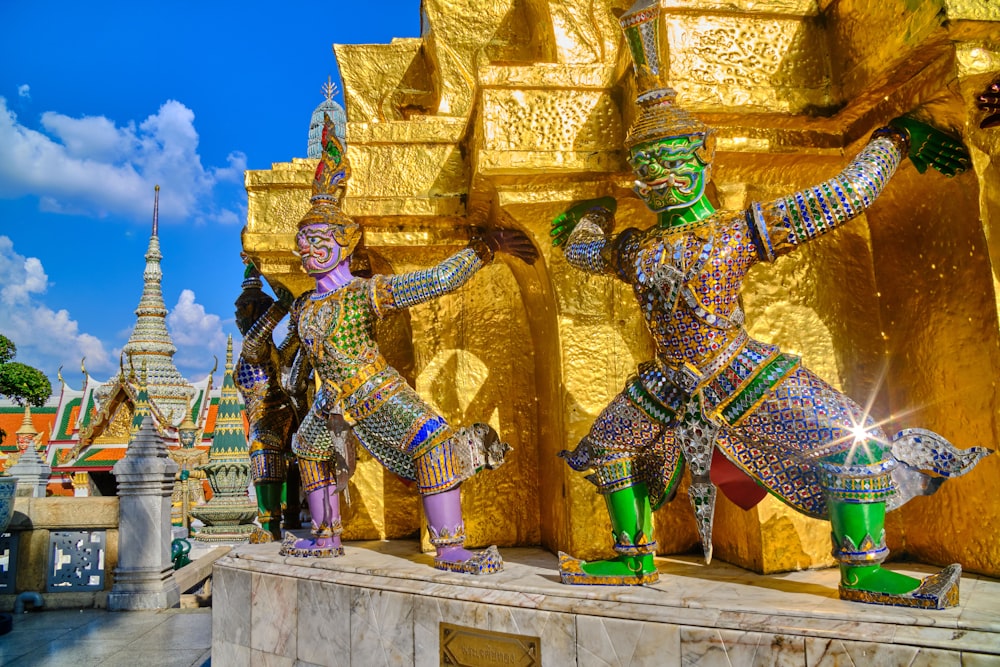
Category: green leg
[859,545]
[632,525]
[269,507]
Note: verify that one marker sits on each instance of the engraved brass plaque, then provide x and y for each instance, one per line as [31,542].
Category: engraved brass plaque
[472,647]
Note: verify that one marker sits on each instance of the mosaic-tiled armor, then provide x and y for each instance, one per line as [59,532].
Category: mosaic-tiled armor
[727,405]
[361,394]
[390,420]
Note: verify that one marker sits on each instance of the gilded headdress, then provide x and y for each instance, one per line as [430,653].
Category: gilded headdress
[659,116]
[329,188]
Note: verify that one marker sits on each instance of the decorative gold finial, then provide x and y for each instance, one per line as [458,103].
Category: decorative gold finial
[156,209]
[27,427]
[329,88]
[659,116]
[329,189]
[83,369]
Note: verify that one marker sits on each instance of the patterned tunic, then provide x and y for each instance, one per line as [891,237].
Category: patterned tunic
[337,330]
[777,421]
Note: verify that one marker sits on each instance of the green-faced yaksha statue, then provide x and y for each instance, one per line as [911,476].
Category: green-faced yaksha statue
[744,416]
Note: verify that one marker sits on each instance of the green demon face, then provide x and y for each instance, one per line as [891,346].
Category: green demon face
[671,172]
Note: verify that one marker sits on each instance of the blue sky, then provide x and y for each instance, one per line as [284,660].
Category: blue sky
[101,101]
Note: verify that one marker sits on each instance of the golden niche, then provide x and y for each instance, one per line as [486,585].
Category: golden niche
[505,113]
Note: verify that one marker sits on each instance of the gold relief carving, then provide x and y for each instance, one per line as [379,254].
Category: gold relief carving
[751,62]
[385,82]
[973,10]
[117,430]
[549,120]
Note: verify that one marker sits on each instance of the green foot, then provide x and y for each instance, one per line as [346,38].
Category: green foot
[622,571]
[938,591]
[876,579]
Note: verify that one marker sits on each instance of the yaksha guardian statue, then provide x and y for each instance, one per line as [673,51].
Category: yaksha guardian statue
[270,409]
[361,393]
[715,398]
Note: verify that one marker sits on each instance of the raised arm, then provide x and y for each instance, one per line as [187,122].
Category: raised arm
[289,347]
[257,343]
[778,227]
[388,293]
[585,230]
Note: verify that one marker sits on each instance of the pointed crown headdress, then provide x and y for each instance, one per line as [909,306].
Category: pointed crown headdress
[329,188]
[659,116]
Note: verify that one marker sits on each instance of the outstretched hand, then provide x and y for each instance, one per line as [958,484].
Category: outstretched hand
[564,223]
[514,242]
[932,147]
[282,293]
[989,101]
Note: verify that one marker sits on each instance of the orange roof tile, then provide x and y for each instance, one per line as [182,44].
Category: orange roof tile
[41,418]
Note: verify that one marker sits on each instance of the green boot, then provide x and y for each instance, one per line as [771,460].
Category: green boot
[269,507]
[859,546]
[631,525]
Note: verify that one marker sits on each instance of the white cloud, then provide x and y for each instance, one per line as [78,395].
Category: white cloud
[24,90]
[95,167]
[45,338]
[196,334]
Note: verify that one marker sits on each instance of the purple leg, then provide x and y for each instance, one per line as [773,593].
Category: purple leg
[324,506]
[444,519]
[447,529]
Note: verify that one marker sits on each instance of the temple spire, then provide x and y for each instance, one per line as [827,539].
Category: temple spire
[150,346]
[156,210]
[229,439]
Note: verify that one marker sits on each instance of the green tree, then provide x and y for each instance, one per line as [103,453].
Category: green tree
[20,382]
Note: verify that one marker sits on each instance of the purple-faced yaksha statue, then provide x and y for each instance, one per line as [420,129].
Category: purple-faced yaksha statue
[362,394]
[744,416]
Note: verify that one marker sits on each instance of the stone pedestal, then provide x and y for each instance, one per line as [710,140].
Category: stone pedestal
[144,576]
[383,604]
[32,473]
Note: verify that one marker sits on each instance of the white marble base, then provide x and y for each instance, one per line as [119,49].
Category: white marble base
[382,603]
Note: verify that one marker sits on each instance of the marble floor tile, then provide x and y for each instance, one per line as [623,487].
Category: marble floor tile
[265,659]
[381,628]
[708,647]
[979,660]
[178,657]
[191,625]
[227,654]
[834,652]
[71,651]
[274,615]
[615,642]
[231,592]
[324,630]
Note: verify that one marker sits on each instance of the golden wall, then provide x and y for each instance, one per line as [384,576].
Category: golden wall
[505,112]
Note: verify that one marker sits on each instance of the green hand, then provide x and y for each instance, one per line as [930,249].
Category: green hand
[564,223]
[932,147]
[282,293]
[285,298]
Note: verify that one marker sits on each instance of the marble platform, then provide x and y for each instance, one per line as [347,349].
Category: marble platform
[382,604]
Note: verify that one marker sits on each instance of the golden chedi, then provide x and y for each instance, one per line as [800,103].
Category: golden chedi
[507,113]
